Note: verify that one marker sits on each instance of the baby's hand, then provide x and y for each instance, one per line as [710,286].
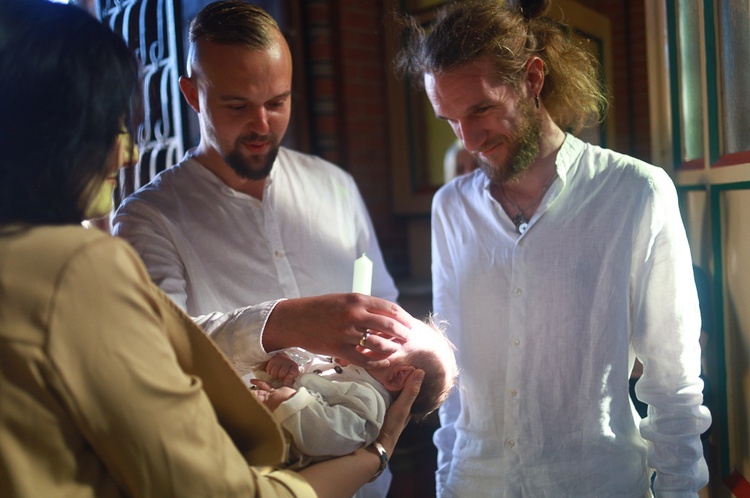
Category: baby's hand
[269,396]
[283,368]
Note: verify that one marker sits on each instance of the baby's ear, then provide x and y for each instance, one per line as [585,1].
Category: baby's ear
[398,377]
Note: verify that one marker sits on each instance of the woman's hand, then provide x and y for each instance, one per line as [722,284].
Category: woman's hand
[341,477]
[397,415]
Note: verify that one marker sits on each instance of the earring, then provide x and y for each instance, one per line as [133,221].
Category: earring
[536,100]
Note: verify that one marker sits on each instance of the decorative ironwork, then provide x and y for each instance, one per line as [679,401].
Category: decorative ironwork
[152,29]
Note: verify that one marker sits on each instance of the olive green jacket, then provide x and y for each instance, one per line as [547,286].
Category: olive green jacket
[108,389]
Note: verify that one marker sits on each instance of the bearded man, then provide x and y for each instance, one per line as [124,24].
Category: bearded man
[555,265]
[242,220]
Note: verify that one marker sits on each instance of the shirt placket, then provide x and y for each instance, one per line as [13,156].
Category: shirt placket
[514,386]
[286,279]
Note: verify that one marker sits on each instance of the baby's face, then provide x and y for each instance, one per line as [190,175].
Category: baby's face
[421,337]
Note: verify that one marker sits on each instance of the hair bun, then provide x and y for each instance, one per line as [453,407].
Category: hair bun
[530,9]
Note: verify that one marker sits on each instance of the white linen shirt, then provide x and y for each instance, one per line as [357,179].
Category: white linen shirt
[215,251]
[547,326]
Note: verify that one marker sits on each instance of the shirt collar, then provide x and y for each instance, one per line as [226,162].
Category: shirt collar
[189,162]
[567,156]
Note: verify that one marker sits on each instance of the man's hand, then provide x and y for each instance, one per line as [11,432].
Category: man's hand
[334,324]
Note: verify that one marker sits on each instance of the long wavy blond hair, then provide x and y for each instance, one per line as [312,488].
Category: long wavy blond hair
[509,34]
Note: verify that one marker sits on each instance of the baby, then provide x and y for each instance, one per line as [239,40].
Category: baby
[330,408]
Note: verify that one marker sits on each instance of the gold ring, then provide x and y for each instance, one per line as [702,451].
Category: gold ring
[365,335]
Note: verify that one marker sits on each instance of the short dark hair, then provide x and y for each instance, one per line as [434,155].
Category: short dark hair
[508,34]
[234,22]
[67,83]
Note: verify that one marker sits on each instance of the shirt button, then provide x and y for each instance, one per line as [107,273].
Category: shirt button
[516,342]
[278,254]
[513,393]
[510,443]
[518,292]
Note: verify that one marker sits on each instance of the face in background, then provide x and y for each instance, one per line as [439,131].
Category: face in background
[123,154]
[243,101]
[458,161]
[493,120]
[465,162]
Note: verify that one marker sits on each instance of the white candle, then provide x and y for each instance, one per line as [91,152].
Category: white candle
[362,282]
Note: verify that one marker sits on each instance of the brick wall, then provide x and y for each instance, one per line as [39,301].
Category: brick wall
[630,92]
[349,108]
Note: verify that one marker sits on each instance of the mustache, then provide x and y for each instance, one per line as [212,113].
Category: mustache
[494,143]
[254,137]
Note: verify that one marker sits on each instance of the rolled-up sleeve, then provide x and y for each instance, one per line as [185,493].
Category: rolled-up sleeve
[666,330]
[239,334]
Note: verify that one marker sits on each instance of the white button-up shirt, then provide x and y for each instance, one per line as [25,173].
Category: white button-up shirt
[218,252]
[547,326]
[215,251]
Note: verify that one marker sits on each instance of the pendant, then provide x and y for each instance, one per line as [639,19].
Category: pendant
[521,223]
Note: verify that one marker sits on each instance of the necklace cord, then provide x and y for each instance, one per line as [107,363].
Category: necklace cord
[520,217]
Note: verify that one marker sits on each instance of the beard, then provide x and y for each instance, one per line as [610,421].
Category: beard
[256,166]
[523,147]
